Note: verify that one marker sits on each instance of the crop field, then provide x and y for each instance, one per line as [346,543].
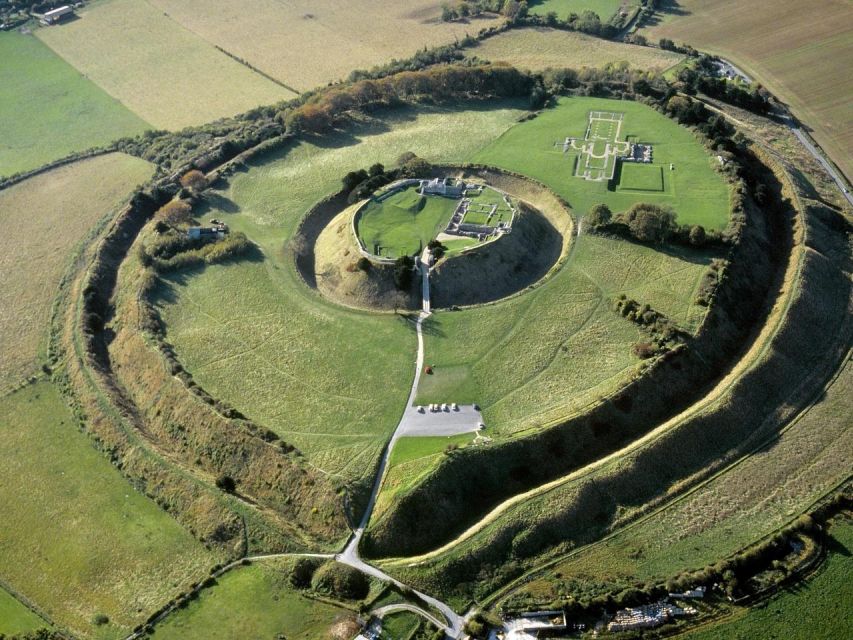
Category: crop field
[403,223]
[48,110]
[268,350]
[253,602]
[799,53]
[533,359]
[75,536]
[44,218]
[698,194]
[15,618]
[604,8]
[165,74]
[538,49]
[812,610]
[305,45]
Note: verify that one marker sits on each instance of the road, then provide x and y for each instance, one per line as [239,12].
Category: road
[810,146]
[381,612]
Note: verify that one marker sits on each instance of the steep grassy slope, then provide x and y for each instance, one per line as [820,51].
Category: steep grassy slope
[48,110]
[44,218]
[75,536]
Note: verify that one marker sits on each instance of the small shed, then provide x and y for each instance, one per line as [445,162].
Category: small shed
[55,16]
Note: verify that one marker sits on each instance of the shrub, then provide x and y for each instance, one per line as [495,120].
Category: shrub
[174,213]
[226,483]
[340,581]
[194,180]
[363,264]
[100,620]
[403,272]
[599,215]
[302,572]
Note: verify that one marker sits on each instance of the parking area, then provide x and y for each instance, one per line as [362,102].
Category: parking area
[447,421]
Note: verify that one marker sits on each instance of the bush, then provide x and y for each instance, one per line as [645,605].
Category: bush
[226,483]
[599,215]
[194,180]
[100,620]
[649,222]
[403,272]
[302,572]
[363,264]
[340,581]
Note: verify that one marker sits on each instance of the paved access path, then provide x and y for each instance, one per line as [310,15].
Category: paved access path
[349,556]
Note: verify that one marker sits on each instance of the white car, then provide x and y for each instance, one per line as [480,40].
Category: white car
[454,406]
[420,409]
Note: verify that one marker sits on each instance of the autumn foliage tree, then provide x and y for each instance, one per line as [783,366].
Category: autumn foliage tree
[174,213]
[194,180]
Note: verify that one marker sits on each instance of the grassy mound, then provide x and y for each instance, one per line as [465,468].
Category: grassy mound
[339,277]
[500,268]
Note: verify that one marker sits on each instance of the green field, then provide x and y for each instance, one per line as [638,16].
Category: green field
[43,219]
[541,48]
[532,359]
[639,177]
[403,223]
[164,73]
[817,609]
[328,379]
[15,618]
[49,110]
[698,194]
[75,536]
[604,8]
[479,212]
[398,626]
[253,602]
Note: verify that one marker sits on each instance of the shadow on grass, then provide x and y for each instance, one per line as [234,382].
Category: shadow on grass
[665,8]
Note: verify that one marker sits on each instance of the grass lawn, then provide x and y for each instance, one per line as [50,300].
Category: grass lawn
[330,380]
[163,72]
[75,537]
[307,44]
[800,51]
[698,194]
[402,224]
[541,48]
[253,602]
[534,358]
[639,177]
[604,8]
[399,626]
[15,618]
[44,219]
[816,609]
[456,246]
[48,109]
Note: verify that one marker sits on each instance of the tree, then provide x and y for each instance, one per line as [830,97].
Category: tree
[226,483]
[194,180]
[376,170]
[363,264]
[649,222]
[302,572]
[599,215]
[354,178]
[174,213]
[697,235]
[403,272]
